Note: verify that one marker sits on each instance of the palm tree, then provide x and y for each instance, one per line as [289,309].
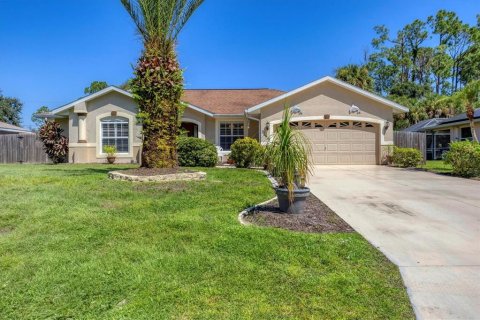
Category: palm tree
[158,83]
[469,97]
[355,75]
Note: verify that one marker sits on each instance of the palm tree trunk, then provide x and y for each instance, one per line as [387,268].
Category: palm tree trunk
[158,87]
[472,128]
[471,116]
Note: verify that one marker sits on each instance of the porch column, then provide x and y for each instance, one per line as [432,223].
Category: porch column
[82,128]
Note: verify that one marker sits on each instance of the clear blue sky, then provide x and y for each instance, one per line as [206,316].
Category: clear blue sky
[50,50]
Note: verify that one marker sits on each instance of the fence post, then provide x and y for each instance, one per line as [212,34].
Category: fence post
[21,149]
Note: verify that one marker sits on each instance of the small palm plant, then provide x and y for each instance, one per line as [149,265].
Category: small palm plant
[289,160]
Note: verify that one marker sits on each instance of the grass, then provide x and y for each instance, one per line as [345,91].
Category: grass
[74,244]
[437,166]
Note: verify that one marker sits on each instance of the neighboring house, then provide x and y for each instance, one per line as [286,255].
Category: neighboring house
[345,124]
[6,128]
[441,131]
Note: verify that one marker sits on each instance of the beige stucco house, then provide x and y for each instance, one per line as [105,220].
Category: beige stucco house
[345,124]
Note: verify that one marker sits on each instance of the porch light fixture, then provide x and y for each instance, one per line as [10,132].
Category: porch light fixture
[266,129]
[354,109]
[387,125]
[296,110]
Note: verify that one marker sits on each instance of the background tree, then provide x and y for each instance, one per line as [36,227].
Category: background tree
[469,97]
[356,75]
[422,64]
[158,82]
[38,121]
[95,86]
[10,110]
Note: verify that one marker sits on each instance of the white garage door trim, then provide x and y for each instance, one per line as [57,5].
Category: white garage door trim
[380,122]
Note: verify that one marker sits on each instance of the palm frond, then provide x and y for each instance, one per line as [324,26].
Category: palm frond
[160,21]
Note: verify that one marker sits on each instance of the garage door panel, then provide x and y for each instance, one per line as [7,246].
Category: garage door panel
[342,145]
[358,147]
[345,159]
[318,147]
[331,159]
[345,136]
[357,135]
[332,147]
[331,135]
[358,159]
[320,159]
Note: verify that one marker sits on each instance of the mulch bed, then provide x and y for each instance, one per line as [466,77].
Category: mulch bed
[145,172]
[317,217]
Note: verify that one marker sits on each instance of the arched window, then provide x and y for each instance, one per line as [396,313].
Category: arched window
[115,133]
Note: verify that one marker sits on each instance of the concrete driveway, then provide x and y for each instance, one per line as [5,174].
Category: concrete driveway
[427,224]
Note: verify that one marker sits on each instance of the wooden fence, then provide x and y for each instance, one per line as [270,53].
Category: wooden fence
[417,140]
[21,148]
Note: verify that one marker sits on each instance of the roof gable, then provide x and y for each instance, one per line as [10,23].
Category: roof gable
[397,107]
[91,97]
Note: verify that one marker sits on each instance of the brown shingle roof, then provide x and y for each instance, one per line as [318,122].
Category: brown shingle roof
[228,101]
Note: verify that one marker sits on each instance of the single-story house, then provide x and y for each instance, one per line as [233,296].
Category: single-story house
[345,124]
[441,131]
[6,128]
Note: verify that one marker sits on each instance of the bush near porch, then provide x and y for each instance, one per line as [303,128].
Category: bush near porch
[196,152]
[406,157]
[464,157]
[75,244]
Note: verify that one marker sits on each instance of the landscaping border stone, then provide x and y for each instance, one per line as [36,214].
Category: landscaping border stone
[179,176]
[249,210]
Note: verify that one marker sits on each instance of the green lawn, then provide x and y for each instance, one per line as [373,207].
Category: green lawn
[437,166]
[74,244]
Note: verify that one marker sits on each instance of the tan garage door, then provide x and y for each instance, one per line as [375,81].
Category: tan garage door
[341,142]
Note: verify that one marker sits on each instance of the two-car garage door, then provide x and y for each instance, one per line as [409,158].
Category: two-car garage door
[341,142]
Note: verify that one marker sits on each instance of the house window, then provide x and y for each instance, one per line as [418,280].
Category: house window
[466,133]
[115,133]
[229,132]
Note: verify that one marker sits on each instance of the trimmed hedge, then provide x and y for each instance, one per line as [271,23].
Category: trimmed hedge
[245,152]
[406,157]
[464,157]
[195,152]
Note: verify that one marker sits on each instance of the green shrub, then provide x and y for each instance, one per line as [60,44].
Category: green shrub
[464,157]
[244,152]
[406,157]
[195,152]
